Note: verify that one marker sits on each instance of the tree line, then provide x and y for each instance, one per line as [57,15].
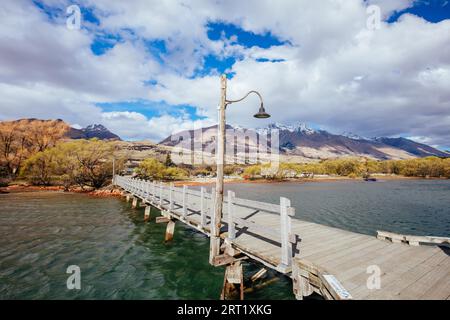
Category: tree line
[357,167]
[38,152]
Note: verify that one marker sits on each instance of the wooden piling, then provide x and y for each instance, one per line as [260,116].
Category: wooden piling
[147,213]
[134,203]
[233,282]
[170,229]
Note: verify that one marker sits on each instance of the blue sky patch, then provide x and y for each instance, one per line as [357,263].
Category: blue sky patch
[104,42]
[51,13]
[157,48]
[215,64]
[244,38]
[430,10]
[151,108]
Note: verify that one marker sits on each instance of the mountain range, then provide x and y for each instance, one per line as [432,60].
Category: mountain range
[297,142]
[301,141]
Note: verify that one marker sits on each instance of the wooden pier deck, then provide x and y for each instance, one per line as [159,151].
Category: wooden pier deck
[334,263]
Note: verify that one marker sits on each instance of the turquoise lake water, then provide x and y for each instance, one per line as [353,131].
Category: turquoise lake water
[121,257]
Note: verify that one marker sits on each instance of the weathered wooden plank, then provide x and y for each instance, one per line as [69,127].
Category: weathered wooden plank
[411,239]
[401,277]
[439,291]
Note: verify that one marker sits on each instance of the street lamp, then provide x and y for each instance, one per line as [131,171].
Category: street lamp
[218,204]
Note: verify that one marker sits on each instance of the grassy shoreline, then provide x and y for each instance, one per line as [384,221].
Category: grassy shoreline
[17,187]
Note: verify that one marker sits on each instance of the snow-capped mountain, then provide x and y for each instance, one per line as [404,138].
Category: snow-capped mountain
[302,141]
[93,131]
[298,127]
[354,136]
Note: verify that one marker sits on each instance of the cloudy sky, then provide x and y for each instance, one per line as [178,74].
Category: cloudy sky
[146,69]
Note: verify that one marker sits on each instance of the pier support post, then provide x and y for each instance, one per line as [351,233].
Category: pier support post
[233,282]
[202,208]
[147,213]
[134,203]
[128,197]
[170,229]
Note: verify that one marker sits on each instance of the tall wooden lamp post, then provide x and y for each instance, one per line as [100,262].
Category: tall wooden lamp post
[218,203]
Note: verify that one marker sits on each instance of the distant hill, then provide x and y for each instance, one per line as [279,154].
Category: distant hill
[415,148]
[91,131]
[301,141]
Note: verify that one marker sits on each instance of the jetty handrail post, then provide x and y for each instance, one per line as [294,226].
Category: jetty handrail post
[160,194]
[212,224]
[202,207]
[231,226]
[171,196]
[184,201]
[285,230]
[146,190]
[150,191]
[153,191]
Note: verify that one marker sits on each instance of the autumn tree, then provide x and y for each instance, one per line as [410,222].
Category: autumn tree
[23,138]
[12,147]
[81,162]
[154,170]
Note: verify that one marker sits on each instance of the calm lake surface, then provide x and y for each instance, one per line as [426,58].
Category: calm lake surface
[121,257]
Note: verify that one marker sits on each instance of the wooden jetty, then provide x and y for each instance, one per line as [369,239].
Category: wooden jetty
[333,263]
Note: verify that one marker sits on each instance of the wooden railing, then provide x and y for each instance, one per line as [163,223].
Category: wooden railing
[166,196]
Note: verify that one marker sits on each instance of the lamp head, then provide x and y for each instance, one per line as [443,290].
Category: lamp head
[262,114]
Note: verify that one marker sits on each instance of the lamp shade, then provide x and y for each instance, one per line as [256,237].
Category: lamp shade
[262,114]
